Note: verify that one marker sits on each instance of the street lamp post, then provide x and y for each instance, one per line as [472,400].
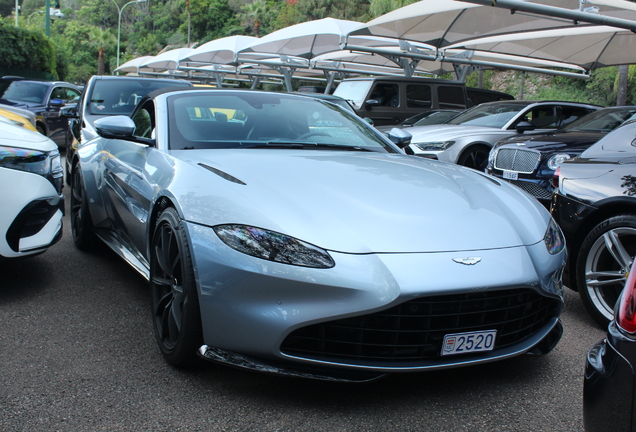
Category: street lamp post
[119,22]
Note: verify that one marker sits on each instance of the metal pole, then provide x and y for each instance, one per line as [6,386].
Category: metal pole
[120,10]
[552,11]
[47,12]
[17,8]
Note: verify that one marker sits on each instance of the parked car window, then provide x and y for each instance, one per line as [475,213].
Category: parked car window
[72,96]
[58,93]
[354,91]
[388,95]
[418,96]
[571,114]
[543,117]
[451,97]
[25,92]
[243,121]
[144,121]
[488,115]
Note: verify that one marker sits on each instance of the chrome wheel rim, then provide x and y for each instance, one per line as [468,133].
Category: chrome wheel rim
[607,267]
[168,295]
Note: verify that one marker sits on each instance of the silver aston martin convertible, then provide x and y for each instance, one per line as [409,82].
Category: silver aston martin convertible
[284,234]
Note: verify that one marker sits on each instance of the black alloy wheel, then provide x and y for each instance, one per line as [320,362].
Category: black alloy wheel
[475,157]
[81,222]
[603,265]
[175,302]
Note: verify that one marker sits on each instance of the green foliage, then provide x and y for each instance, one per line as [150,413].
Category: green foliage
[354,10]
[381,7]
[24,49]
[210,19]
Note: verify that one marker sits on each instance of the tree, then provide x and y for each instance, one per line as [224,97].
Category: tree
[621,89]
[253,13]
[101,40]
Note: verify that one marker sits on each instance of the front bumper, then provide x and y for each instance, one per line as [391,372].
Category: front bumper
[608,389]
[31,217]
[257,309]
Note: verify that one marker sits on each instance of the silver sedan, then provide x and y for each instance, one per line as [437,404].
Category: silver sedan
[284,234]
[467,139]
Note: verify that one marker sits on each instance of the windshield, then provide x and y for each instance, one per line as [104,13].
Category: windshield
[489,115]
[601,121]
[21,91]
[251,119]
[353,91]
[119,97]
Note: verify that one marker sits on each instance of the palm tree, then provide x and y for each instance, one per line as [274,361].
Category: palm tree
[101,39]
[253,13]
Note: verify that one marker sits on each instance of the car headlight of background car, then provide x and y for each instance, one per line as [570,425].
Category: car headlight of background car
[554,240]
[556,160]
[46,164]
[273,246]
[434,145]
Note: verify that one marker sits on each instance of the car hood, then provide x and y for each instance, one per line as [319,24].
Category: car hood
[444,132]
[17,136]
[358,202]
[565,141]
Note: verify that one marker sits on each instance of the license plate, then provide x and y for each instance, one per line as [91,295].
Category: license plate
[470,342]
[511,175]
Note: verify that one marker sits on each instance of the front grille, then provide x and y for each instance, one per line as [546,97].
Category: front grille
[533,189]
[518,160]
[415,330]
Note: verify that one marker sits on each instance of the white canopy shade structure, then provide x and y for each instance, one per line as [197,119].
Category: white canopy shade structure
[169,60]
[132,66]
[305,40]
[441,23]
[221,51]
[590,47]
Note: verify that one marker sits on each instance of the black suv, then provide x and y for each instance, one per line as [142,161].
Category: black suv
[44,99]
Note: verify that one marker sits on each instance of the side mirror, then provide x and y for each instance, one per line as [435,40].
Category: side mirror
[371,103]
[115,127]
[400,137]
[525,126]
[56,103]
[69,112]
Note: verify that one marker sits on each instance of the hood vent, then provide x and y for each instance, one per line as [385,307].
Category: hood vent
[222,174]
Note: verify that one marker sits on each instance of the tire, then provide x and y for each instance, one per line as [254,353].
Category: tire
[40,129]
[603,264]
[81,222]
[175,304]
[475,157]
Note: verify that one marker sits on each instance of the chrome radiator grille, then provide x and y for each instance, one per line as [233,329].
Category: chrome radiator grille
[518,160]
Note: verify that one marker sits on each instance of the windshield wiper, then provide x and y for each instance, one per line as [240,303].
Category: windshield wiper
[308,145]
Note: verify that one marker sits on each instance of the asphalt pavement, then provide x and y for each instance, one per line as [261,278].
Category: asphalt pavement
[77,353]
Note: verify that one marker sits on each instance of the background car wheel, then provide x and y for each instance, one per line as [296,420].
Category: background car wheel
[603,265]
[175,303]
[81,222]
[475,157]
[40,129]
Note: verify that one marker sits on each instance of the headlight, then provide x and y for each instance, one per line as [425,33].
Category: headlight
[555,161]
[46,164]
[554,240]
[434,145]
[273,246]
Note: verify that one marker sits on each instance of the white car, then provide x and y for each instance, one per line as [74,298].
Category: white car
[467,139]
[31,177]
